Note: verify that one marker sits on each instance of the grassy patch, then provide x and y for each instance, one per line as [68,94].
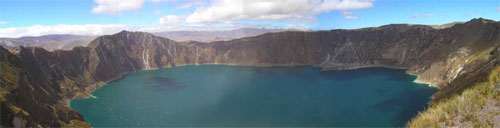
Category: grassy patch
[480,55]
[9,79]
[464,106]
[17,110]
[495,76]
[9,74]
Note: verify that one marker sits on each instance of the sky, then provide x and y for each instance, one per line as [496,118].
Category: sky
[97,17]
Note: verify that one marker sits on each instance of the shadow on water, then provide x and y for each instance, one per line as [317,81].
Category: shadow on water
[280,70]
[409,105]
[353,74]
[381,91]
[215,96]
[164,84]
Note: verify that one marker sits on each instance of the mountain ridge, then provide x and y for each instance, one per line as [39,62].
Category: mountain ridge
[211,36]
[49,42]
[53,42]
[443,57]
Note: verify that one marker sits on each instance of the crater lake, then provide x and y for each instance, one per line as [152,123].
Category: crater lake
[237,96]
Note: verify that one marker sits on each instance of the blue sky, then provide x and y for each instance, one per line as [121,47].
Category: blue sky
[39,17]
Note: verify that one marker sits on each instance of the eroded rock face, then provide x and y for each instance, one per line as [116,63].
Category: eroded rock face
[31,95]
[449,58]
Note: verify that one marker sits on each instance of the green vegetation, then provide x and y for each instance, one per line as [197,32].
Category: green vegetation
[463,108]
[9,79]
[483,54]
[17,110]
[9,74]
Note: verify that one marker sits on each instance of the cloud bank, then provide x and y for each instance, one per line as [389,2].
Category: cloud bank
[98,29]
[170,20]
[230,10]
[116,6]
[422,15]
[189,5]
[39,30]
[216,15]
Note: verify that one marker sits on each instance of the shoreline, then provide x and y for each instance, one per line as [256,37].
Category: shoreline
[418,81]
[369,66]
[93,87]
[97,85]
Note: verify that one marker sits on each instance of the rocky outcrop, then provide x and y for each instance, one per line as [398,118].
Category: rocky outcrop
[46,80]
[31,96]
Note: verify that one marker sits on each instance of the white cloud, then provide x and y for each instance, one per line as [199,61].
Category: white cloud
[422,15]
[3,22]
[297,27]
[329,5]
[38,30]
[349,15]
[158,12]
[170,20]
[101,29]
[106,29]
[229,10]
[116,6]
[157,1]
[189,5]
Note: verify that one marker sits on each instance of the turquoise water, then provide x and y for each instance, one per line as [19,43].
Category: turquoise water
[211,95]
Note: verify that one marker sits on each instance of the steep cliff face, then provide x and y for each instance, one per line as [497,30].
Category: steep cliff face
[476,106]
[41,82]
[31,96]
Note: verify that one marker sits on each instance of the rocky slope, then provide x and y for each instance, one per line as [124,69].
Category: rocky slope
[36,83]
[478,106]
[30,96]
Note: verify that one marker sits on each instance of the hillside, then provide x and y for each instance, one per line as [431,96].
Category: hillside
[36,83]
[478,106]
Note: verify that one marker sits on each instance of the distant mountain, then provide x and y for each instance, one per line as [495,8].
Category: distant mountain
[443,26]
[36,84]
[210,36]
[48,42]
[66,42]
